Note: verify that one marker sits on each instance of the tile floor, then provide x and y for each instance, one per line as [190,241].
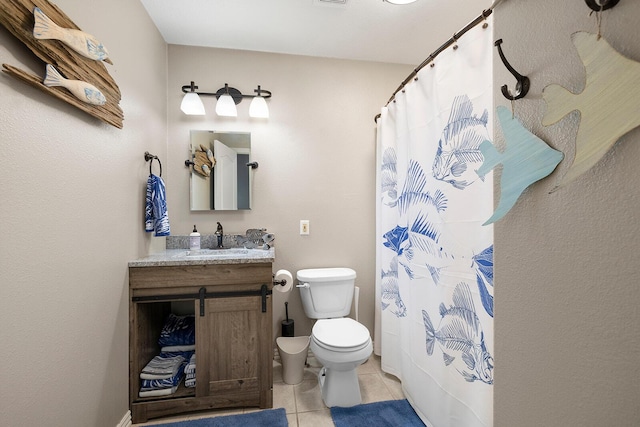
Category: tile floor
[303,402]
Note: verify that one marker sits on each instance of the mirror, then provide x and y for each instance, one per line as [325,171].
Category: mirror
[220,177]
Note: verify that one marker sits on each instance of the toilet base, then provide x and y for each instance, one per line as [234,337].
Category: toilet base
[339,388]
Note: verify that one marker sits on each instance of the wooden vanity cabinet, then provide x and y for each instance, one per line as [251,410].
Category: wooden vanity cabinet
[233,320]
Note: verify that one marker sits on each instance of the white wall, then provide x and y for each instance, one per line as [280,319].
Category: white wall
[316,154]
[71,218]
[566,264]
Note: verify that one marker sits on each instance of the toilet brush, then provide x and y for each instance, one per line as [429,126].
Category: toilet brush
[287,325]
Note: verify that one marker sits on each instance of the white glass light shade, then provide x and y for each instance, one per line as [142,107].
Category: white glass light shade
[226,106]
[192,105]
[400,1]
[259,108]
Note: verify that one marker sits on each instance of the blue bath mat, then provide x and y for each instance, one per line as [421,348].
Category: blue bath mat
[391,413]
[266,418]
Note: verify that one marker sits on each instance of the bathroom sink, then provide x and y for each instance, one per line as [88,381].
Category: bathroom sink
[227,253]
[176,257]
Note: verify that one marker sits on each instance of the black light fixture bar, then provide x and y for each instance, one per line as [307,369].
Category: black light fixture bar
[233,92]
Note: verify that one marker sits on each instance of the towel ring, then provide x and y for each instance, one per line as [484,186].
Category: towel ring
[150,158]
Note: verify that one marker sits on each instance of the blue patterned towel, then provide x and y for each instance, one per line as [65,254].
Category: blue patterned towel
[191,366]
[178,331]
[156,215]
[190,372]
[162,367]
[146,385]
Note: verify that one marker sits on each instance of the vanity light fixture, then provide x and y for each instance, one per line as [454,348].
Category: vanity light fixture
[258,107]
[191,103]
[226,105]
[228,97]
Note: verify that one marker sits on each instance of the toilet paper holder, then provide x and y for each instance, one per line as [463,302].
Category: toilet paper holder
[282,282]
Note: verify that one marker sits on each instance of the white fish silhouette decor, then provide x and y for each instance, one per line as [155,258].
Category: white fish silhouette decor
[83,43]
[609,105]
[526,159]
[84,91]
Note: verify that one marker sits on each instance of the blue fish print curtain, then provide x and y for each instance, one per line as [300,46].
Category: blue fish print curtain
[434,316]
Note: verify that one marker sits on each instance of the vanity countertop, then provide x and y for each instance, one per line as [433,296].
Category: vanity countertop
[178,257]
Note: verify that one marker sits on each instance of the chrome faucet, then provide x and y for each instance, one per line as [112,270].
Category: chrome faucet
[219,233]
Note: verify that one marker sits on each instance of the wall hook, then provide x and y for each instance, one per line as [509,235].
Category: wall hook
[522,85]
[598,5]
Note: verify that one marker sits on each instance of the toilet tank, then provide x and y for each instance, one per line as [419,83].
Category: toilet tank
[326,292]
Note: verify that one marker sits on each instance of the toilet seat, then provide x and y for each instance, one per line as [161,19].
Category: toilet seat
[341,334]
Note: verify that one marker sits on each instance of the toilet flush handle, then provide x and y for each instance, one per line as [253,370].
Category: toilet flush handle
[304,285]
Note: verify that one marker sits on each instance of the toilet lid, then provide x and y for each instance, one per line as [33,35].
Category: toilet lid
[342,333]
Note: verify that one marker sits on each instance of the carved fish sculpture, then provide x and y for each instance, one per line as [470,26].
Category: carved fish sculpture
[84,91]
[83,43]
[526,160]
[609,104]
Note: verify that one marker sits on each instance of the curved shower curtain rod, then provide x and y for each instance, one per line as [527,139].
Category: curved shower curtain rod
[456,36]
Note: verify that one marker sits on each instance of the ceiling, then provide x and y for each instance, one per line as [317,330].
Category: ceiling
[369,30]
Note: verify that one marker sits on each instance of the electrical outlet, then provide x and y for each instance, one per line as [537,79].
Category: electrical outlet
[304,227]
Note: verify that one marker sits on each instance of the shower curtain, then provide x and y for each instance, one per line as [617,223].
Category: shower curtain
[434,259]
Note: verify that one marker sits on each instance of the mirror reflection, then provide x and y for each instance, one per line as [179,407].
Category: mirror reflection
[220,177]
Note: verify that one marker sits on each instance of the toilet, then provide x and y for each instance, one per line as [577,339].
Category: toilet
[339,343]
[293,355]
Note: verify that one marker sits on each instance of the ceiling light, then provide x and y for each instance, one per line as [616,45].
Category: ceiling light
[228,97]
[399,1]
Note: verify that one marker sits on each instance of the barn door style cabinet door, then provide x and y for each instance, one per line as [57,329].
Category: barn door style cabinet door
[233,330]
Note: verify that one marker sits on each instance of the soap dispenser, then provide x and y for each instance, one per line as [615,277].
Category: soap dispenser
[194,240]
[219,234]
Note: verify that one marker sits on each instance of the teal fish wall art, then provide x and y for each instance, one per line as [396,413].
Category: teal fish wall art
[84,91]
[83,43]
[525,160]
[609,105]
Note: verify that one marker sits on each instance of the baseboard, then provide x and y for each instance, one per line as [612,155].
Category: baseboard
[125,421]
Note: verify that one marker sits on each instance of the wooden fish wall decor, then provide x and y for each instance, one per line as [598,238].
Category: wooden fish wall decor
[83,43]
[609,105]
[76,56]
[525,160]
